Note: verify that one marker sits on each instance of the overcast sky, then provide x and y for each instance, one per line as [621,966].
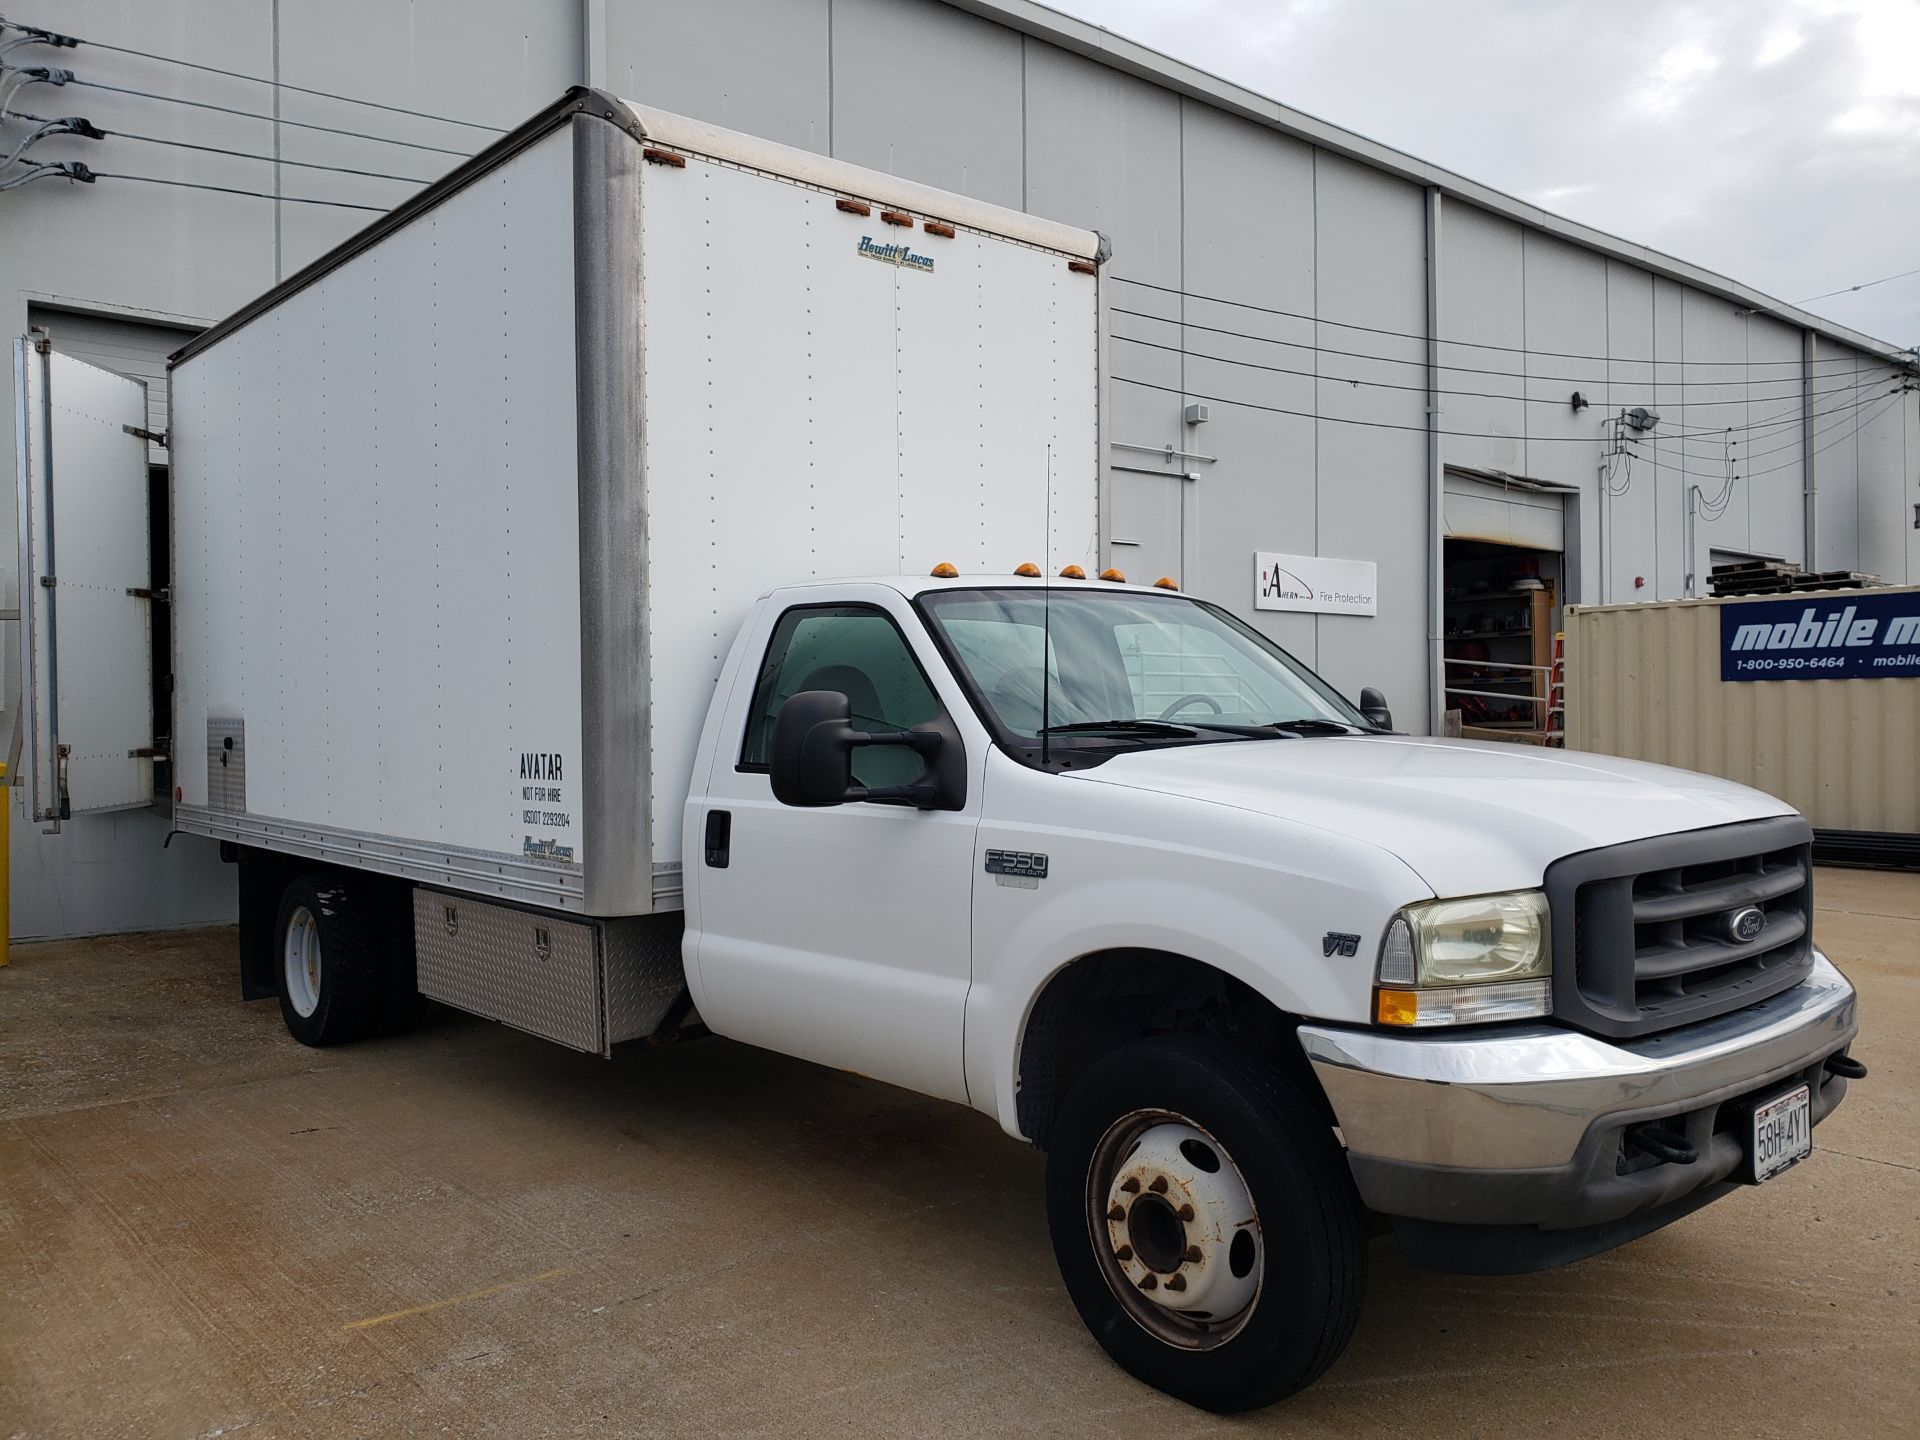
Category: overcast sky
[1776,141]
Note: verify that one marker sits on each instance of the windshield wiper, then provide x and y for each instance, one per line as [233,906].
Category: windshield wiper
[1319,727]
[1186,729]
[1136,727]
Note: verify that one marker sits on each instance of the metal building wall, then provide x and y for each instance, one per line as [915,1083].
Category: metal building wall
[1014,103]
[176,258]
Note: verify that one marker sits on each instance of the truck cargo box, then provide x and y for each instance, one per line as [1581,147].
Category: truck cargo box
[466,513]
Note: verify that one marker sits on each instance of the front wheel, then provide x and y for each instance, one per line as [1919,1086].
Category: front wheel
[1205,1222]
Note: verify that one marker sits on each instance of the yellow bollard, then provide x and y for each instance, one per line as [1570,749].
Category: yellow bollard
[6,861]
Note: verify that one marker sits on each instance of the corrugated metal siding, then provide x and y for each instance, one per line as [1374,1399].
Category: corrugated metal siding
[1643,681]
[125,347]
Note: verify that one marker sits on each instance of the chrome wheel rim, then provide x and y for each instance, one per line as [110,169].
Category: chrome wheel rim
[1174,1229]
[300,959]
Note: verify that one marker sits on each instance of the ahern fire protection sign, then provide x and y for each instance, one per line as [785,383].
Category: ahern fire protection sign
[1858,636]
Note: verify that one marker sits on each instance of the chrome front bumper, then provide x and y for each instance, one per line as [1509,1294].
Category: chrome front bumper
[1522,1124]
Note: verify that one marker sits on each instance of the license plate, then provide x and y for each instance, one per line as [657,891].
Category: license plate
[1782,1133]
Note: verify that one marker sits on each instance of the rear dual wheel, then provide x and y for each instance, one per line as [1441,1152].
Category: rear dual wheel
[332,981]
[1205,1222]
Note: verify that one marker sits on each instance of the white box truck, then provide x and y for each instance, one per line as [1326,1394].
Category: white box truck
[649,583]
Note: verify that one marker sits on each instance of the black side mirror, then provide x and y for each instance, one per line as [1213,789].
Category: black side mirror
[812,761]
[1373,705]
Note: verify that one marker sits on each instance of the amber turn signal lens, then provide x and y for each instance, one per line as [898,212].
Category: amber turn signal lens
[1396,1007]
[1166,582]
[1119,577]
[1030,570]
[944,571]
[1073,572]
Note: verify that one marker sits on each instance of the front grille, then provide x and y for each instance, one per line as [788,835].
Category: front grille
[1643,936]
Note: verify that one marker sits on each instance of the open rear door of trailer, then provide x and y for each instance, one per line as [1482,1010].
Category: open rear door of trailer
[85,728]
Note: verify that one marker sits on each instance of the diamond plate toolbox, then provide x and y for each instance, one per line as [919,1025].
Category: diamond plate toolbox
[585,984]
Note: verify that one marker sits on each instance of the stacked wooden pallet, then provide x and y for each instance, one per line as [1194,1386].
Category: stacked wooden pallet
[1778,577]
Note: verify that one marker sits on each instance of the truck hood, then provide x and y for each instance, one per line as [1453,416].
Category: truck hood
[1467,816]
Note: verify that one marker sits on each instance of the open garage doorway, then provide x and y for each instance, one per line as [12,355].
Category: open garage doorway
[1502,614]
[1504,577]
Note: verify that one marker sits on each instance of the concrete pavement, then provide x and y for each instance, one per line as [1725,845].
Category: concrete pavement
[206,1229]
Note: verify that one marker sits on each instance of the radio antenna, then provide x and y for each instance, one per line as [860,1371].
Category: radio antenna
[1046,617]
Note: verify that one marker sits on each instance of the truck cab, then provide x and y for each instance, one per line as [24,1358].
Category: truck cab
[1104,862]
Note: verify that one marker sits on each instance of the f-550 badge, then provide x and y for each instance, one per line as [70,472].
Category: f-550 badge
[1338,942]
[1021,869]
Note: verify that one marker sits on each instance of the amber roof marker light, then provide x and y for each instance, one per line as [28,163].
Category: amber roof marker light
[1028,571]
[1166,582]
[944,571]
[1072,572]
[1115,577]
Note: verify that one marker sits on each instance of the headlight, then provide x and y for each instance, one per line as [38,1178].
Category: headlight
[1457,962]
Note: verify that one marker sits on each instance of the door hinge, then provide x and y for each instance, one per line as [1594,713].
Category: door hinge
[42,343]
[158,437]
[162,596]
[47,582]
[148,752]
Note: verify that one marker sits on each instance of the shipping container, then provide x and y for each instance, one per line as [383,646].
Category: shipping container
[1814,697]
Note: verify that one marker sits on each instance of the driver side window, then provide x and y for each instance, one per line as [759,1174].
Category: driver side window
[859,652]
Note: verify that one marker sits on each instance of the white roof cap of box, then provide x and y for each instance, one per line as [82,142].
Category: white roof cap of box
[677,132]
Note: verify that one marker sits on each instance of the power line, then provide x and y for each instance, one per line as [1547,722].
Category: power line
[269,159]
[1508,374]
[44,128]
[1832,417]
[1863,285]
[1410,335]
[238,154]
[21,76]
[37,171]
[269,119]
[1862,424]
[1189,393]
[279,84]
[231,190]
[1866,389]
[1422,389]
[1341,419]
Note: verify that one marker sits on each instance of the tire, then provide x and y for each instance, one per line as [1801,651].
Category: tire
[327,960]
[1201,1131]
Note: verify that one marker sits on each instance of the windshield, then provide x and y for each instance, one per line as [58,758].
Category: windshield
[1123,666]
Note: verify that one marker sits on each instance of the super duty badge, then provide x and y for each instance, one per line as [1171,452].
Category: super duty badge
[1021,869]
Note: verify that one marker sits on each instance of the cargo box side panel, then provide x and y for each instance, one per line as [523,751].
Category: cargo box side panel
[377,550]
[996,389]
[830,395]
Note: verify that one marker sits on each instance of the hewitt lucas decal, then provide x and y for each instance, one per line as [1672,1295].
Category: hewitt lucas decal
[1310,582]
[895,255]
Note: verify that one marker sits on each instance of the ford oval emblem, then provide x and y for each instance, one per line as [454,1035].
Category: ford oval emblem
[1748,923]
